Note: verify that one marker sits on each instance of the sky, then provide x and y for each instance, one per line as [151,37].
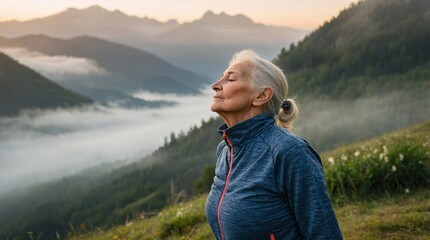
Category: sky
[301,14]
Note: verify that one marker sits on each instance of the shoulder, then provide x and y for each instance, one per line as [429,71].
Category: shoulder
[287,146]
[283,140]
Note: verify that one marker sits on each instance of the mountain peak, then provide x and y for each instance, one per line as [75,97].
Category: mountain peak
[95,8]
[223,19]
[208,14]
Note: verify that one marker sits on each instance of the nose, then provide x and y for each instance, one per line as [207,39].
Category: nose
[216,86]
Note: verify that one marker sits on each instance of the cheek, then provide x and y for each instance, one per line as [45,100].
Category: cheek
[239,90]
[241,98]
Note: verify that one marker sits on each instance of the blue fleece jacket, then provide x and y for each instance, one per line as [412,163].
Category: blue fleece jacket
[268,184]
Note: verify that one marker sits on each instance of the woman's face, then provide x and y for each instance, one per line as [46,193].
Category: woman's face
[233,92]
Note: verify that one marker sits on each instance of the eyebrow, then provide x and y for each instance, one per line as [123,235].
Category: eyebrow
[229,73]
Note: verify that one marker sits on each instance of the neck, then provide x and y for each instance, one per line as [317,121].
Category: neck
[233,118]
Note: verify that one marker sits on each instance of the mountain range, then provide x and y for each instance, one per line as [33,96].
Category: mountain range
[142,53]
[96,20]
[126,70]
[129,69]
[22,88]
[203,46]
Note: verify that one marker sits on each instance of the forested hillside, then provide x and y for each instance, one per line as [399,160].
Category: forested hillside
[373,47]
[22,88]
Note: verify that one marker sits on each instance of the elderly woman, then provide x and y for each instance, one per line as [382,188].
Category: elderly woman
[269,183]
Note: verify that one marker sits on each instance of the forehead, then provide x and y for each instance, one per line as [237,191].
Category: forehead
[242,69]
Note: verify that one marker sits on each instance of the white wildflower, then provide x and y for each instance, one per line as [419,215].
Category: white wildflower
[357,153]
[368,155]
[393,168]
[375,151]
[407,190]
[179,213]
[381,156]
[344,157]
[331,160]
[401,157]
[386,159]
[385,149]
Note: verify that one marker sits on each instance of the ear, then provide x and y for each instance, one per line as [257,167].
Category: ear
[263,97]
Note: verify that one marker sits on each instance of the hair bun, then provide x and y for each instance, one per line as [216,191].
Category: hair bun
[286,105]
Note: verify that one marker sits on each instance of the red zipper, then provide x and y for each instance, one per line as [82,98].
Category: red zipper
[224,135]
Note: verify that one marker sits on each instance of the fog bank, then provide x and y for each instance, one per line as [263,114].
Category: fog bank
[42,145]
[57,67]
[330,123]
[45,144]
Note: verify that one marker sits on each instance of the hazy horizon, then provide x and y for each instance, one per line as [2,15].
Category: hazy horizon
[305,15]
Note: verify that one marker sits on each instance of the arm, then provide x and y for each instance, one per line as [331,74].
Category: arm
[302,183]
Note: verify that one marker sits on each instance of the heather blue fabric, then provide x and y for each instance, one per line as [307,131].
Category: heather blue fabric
[276,186]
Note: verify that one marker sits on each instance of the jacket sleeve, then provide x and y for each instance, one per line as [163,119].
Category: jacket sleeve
[301,181]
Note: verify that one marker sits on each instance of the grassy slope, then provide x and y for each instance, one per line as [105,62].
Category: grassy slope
[401,216]
[404,216]
[419,132]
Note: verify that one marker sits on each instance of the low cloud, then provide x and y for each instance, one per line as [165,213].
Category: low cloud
[41,145]
[45,144]
[329,123]
[55,67]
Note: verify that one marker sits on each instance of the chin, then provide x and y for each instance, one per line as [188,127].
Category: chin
[214,109]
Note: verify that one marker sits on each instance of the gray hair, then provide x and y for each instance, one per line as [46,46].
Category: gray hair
[266,74]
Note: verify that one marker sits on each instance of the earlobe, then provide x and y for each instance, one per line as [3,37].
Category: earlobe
[263,97]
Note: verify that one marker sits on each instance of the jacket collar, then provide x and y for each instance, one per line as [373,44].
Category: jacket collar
[243,131]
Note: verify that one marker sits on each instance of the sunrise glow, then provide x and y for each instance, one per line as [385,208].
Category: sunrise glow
[304,14]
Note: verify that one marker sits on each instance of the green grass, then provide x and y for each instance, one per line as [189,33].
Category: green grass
[402,216]
[393,163]
[182,221]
